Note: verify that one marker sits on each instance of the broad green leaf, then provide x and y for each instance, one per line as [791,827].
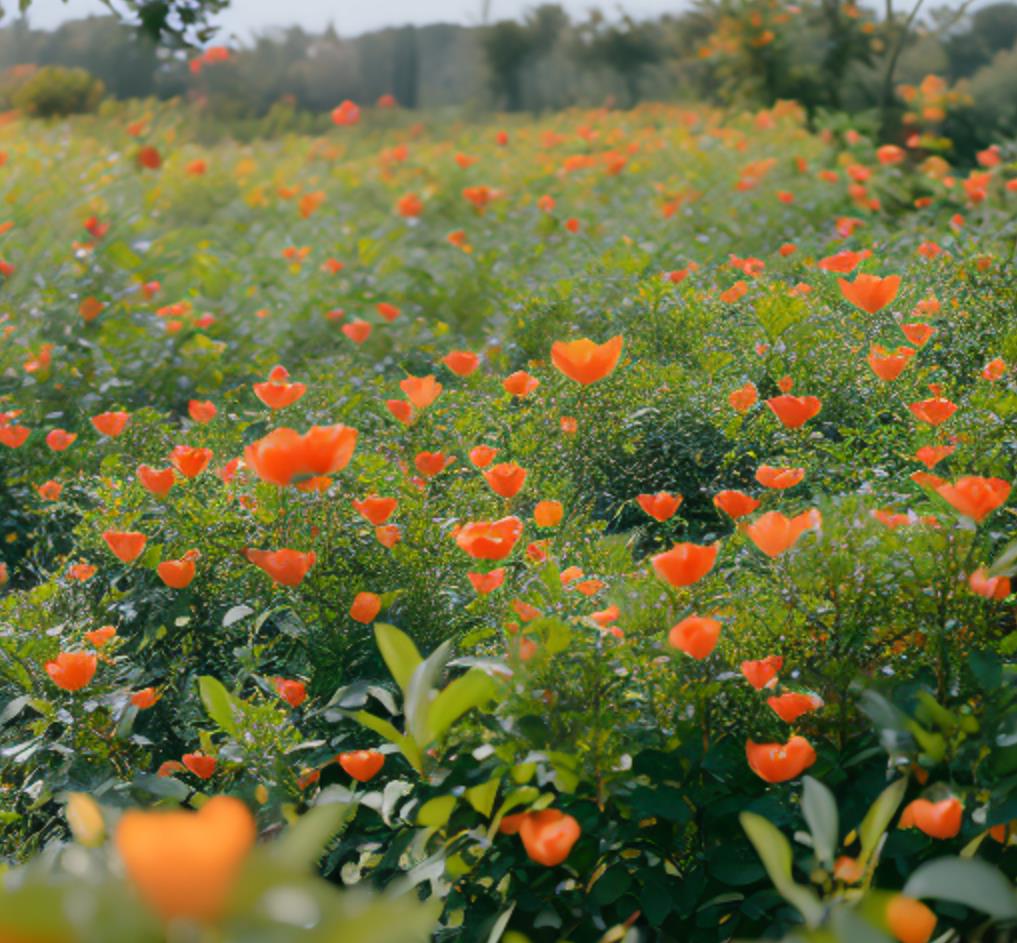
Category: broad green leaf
[435,812]
[501,923]
[385,729]
[482,797]
[820,811]
[466,692]
[218,703]
[969,881]
[419,692]
[774,851]
[878,818]
[400,654]
[304,842]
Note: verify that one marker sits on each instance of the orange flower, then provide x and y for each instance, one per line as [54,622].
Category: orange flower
[365,607]
[909,920]
[520,383]
[773,533]
[931,455]
[871,293]
[461,362]
[926,480]
[59,439]
[991,587]
[345,114]
[792,705]
[685,563]
[277,393]
[489,540]
[779,478]
[937,819]
[156,480]
[506,479]
[90,308]
[285,454]
[201,765]
[794,411]
[430,464]
[72,671]
[286,567]
[844,261]
[126,545]
[696,636]
[388,535]
[994,370]
[482,455]
[357,331]
[110,424]
[184,864]
[661,506]
[935,410]
[548,513]
[779,762]
[734,293]
[362,765]
[585,361]
[50,490]
[918,334]
[144,699]
[484,583]
[400,410]
[148,157]
[420,391]
[292,692]
[177,574]
[888,365]
[376,510]
[548,836]
[201,411]
[744,398]
[735,504]
[975,497]
[189,460]
[14,436]
[410,205]
[97,638]
[762,673]
[80,572]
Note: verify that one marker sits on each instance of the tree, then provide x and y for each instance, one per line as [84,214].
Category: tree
[509,46]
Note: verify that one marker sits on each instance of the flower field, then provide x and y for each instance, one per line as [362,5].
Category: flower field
[593,528]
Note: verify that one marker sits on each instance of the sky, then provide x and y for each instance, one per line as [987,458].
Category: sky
[350,16]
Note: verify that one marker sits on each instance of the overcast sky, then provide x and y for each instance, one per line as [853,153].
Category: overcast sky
[350,16]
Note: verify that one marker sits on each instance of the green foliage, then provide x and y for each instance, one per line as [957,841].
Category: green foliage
[55,92]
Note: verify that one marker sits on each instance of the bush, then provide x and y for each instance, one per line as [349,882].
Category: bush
[55,91]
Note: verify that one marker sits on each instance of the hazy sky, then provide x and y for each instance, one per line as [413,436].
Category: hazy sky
[350,16]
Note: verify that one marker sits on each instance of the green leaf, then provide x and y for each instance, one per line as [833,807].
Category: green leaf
[774,851]
[385,729]
[305,841]
[435,812]
[471,690]
[501,923]
[878,818]
[419,693]
[400,654]
[820,811]
[969,881]
[218,703]
[482,797]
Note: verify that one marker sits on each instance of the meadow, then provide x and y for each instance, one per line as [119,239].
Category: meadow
[595,527]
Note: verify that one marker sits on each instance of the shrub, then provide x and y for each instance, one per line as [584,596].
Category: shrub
[55,91]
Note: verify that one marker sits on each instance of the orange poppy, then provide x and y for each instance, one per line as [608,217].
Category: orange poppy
[461,362]
[201,411]
[520,383]
[184,864]
[284,454]
[421,391]
[177,574]
[345,114]
[763,672]
[484,583]
[50,490]
[14,436]
[937,819]
[585,361]
[127,545]
[975,497]
[548,513]
[779,478]
[357,331]
[696,636]
[285,567]
[548,836]
[506,479]
[794,411]
[148,157]
[388,535]
[792,705]
[735,504]
[111,424]
[935,410]
[190,460]
[362,765]
[909,920]
[685,563]
[660,506]
[144,699]
[97,638]
[292,692]
[779,762]
[744,398]
[277,392]
[201,765]
[409,205]
[482,455]
[931,455]
[430,464]
[489,540]
[156,480]
[871,293]
[90,308]
[387,311]
[375,510]
[59,439]
[888,365]
[365,607]
[773,533]
[400,410]
[918,334]
[71,671]
[991,587]
[80,572]
[994,370]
